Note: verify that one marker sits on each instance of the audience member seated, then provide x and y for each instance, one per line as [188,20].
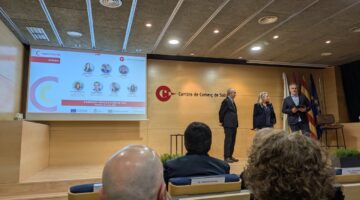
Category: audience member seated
[134,172]
[260,136]
[196,162]
[289,166]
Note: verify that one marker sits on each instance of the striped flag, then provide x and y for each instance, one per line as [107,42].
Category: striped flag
[315,105]
[310,114]
[286,94]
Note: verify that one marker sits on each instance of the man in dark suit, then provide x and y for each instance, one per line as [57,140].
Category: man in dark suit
[229,120]
[196,162]
[296,106]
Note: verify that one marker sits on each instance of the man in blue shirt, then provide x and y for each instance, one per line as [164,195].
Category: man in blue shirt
[296,106]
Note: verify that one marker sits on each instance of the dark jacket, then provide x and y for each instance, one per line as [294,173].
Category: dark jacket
[228,114]
[259,116]
[288,104]
[194,165]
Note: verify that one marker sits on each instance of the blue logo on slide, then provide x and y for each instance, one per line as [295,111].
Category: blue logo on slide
[73,110]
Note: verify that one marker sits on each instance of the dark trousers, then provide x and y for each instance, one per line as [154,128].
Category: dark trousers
[301,126]
[229,143]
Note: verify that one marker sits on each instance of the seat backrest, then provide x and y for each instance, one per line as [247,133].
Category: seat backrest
[88,191]
[235,196]
[84,196]
[351,191]
[326,119]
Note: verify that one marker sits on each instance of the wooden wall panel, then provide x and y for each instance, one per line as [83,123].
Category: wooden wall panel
[10,147]
[11,66]
[34,149]
[331,95]
[77,143]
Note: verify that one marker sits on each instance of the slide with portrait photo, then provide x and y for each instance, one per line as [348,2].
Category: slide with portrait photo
[75,82]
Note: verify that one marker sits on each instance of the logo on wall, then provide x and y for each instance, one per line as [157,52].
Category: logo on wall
[163,93]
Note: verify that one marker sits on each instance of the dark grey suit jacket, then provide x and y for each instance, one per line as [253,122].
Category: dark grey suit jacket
[194,165]
[228,114]
[288,104]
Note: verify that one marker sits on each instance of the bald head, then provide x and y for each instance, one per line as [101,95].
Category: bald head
[231,93]
[135,172]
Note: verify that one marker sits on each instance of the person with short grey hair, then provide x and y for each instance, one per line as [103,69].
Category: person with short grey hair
[135,172]
[229,120]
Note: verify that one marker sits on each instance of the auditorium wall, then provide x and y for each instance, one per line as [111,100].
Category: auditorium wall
[198,89]
[11,65]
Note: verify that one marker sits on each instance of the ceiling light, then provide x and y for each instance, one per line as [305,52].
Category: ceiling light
[326,54]
[256,48]
[328,41]
[275,37]
[355,29]
[74,34]
[148,25]
[111,3]
[192,54]
[268,20]
[240,57]
[173,41]
[216,31]
[38,33]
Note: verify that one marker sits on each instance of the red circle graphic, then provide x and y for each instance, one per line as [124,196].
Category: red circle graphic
[163,93]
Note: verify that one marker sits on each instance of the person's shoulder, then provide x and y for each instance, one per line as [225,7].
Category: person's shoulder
[287,98]
[218,161]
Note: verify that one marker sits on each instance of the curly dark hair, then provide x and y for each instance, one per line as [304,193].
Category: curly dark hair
[289,166]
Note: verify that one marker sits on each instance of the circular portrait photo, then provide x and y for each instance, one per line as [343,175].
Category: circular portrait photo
[115,87]
[132,88]
[97,86]
[88,67]
[78,86]
[105,68]
[123,69]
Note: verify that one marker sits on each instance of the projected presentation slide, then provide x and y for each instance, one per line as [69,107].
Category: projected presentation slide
[86,83]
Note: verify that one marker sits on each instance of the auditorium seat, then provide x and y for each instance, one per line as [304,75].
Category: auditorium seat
[235,196]
[348,178]
[351,191]
[84,192]
[182,185]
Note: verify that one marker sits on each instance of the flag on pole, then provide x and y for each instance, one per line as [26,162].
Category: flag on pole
[286,93]
[315,105]
[310,114]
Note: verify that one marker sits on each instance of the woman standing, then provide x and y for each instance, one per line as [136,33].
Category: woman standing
[264,115]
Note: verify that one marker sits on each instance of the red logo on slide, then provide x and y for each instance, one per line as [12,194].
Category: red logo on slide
[163,93]
[122,58]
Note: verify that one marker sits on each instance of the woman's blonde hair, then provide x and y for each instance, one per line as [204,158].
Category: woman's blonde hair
[261,97]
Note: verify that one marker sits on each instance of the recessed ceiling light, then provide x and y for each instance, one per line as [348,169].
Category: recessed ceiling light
[326,54]
[240,57]
[191,54]
[216,31]
[74,34]
[111,3]
[328,41]
[256,48]
[355,29]
[275,37]
[268,19]
[173,41]
[148,25]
